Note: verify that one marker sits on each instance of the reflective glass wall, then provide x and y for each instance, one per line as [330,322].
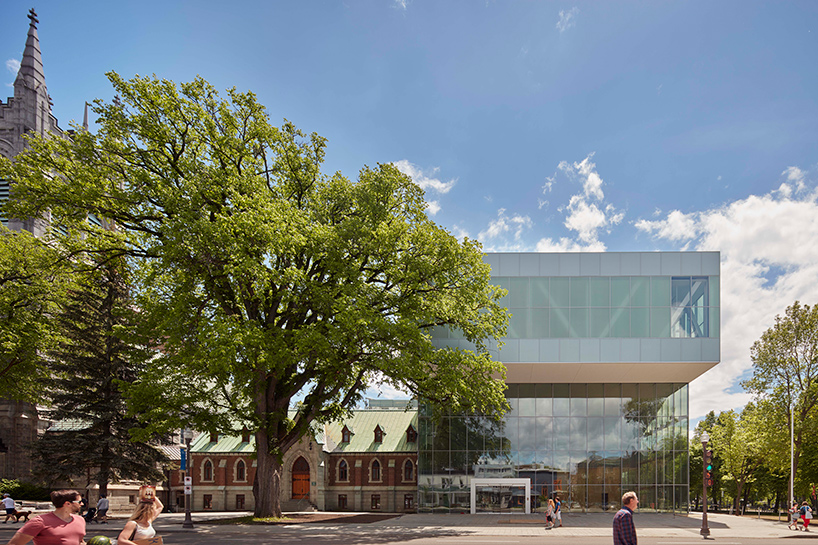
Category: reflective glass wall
[587,443]
[608,307]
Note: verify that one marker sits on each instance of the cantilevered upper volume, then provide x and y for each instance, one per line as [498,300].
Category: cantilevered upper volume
[31,73]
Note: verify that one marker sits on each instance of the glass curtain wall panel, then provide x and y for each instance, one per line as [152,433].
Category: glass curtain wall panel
[586,443]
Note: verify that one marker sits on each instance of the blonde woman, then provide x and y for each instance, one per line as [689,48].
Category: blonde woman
[549,514]
[140,526]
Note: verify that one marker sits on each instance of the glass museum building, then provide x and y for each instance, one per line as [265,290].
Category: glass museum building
[599,353]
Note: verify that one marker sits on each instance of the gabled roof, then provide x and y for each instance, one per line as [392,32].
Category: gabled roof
[225,444]
[393,422]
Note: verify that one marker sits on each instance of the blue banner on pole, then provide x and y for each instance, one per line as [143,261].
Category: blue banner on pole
[184,458]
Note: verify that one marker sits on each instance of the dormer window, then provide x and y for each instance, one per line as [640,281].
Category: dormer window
[379,433]
[346,435]
[214,437]
[245,435]
[411,434]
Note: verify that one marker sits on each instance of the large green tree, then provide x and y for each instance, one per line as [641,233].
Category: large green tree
[785,379]
[90,367]
[262,277]
[739,446]
[32,286]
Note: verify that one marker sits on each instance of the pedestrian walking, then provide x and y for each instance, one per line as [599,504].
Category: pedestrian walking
[140,525]
[549,514]
[624,532]
[8,504]
[102,509]
[795,515]
[63,525]
[557,511]
[806,514]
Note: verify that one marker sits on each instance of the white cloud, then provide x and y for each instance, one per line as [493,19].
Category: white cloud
[677,226]
[13,66]
[587,213]
[568,245]
[795,175]
[459,233]
[567,19]
[549,183]
[769,259]
[401,4]
[496,235]
[584,218]
[427,181]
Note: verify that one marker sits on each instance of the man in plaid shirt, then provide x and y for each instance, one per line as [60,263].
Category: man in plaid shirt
[624,532]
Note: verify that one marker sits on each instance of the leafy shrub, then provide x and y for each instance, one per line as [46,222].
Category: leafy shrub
[20,490]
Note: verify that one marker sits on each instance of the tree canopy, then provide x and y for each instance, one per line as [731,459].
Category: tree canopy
[785,376]
[91,367]
[32,286]
[261,277]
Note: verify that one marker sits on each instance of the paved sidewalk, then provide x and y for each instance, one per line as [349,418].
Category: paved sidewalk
[575,525]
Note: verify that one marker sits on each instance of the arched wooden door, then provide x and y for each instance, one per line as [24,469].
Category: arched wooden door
[301,479]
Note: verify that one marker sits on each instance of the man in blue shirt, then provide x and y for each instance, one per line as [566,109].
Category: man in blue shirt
[624,532]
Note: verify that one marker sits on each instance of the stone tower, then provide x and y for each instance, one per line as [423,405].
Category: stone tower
[29,111]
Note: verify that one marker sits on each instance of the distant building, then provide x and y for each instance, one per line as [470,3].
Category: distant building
[364,463]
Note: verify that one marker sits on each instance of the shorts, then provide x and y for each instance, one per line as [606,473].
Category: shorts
[102,512]
[10,510]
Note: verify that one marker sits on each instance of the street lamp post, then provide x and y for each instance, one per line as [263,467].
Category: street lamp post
[792,459]
[705,531]
[188,523]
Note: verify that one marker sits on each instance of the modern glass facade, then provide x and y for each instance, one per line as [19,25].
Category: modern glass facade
[599,353]
[586,443]
[609,307]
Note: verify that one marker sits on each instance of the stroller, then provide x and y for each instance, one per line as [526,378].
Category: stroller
[89,516]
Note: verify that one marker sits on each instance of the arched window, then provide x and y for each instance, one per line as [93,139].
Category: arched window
[343,471]
[376,470]
[408,471]
[207,471]
[241,471]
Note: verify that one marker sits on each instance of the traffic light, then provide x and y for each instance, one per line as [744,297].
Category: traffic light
[708,467]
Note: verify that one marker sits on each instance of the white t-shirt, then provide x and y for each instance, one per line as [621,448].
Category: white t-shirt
[8,503]
[102,503]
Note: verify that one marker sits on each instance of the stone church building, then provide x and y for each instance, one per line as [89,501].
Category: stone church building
[27,112]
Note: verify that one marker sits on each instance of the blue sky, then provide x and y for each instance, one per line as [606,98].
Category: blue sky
[536,126]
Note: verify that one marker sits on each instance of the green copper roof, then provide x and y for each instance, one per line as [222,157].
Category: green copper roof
[394,422]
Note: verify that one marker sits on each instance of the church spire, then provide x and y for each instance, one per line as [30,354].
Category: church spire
[31,73]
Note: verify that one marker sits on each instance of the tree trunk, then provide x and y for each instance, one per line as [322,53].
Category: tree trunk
[104,477]
[737,499]
[267,486]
